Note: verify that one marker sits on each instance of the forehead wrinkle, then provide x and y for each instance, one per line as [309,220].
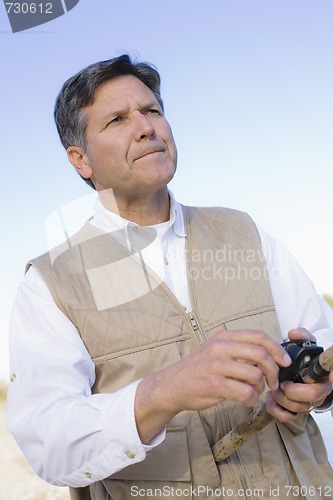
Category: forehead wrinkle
[128,100]
[121,98]
[124,110]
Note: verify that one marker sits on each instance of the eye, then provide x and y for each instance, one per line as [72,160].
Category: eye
[115,120]
[154,111]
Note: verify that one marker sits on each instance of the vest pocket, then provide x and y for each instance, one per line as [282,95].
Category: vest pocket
[167,462]
[182,466]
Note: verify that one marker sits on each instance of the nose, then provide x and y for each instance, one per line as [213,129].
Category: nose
[144,128]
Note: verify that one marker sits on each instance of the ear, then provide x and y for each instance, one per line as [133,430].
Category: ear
[79,160]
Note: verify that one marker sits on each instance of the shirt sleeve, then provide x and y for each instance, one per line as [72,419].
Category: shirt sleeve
[70,436]
[296,300]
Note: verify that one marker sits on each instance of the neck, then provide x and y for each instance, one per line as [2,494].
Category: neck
[145,210]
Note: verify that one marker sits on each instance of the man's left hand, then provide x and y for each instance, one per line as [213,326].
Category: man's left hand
[292,398]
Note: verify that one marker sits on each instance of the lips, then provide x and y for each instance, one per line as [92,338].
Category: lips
[150,151]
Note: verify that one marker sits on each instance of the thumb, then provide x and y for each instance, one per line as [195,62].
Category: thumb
[300,334]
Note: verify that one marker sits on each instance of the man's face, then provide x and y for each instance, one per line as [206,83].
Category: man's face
[130,147]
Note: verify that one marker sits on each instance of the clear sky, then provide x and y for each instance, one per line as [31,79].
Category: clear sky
[247,87]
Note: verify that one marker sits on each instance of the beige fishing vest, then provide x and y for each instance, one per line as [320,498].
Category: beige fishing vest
[133,325]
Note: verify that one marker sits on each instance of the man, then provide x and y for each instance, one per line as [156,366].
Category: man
[138,343]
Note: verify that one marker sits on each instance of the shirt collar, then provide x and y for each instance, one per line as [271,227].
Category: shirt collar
[176,217]
[109,221]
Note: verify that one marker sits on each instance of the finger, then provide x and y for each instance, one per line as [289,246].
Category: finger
[260,338]
[290,405]
[223,360]
[277,411]
[300,334]
[250,363]
[304,393]
[252,354]
[237,390]
[246,373]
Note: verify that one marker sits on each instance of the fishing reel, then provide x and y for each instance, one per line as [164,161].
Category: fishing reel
[304,354]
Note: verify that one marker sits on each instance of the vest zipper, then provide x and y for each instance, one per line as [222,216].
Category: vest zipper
[234,459]
[199,333]
[200,337]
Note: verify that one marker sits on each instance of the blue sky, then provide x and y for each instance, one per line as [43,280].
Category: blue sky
[247,86]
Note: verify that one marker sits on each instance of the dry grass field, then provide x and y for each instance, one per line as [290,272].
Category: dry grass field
[17,480]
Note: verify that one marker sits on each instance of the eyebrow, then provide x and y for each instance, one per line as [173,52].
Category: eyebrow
[125,110]
[105,119]
[116,112]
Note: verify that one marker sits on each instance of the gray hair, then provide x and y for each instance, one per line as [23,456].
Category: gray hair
[79,91]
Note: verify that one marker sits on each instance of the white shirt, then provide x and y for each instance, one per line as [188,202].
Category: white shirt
[52,372]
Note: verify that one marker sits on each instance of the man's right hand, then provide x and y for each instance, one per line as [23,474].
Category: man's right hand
[230,365]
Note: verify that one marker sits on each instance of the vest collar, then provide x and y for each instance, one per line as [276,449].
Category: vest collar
[108,221]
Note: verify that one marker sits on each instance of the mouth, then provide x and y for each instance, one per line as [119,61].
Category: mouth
[151,152]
